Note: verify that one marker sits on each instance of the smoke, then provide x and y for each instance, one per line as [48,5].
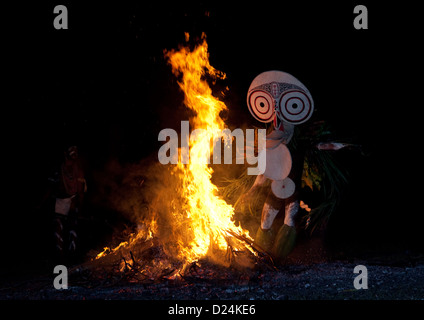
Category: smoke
[133,189]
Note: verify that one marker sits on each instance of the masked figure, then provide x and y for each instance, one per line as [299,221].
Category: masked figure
[68,186]
[278,97]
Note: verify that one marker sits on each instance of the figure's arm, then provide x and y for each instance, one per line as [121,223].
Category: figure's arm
[259,181]
[336,146]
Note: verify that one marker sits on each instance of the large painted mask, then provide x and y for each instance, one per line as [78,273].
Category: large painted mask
[276,96]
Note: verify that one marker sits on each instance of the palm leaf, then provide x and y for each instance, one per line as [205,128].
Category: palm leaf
[334,180]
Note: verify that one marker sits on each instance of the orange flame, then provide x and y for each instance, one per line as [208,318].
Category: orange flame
[200,222]
[210,217]
[142,234]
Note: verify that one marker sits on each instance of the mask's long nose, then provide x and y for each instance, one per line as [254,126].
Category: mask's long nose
[278,124]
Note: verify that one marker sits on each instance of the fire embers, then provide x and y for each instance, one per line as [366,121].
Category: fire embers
[145,260]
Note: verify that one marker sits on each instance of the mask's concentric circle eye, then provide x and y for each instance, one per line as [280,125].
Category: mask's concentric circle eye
[295,106]
[261,105]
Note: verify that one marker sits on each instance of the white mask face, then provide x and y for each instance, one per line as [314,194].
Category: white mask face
[278,96]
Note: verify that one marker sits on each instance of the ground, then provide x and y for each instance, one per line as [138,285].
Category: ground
[325,281]
[390,277]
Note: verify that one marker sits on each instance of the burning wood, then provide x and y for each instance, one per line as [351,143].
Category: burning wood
[145,261]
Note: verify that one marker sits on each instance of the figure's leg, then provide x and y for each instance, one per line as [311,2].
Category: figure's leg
[72,233]
[58,236]
[291,210]
[265,236]
[286,236]
[73,237]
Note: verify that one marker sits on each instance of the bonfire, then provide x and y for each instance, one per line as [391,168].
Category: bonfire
[188,223]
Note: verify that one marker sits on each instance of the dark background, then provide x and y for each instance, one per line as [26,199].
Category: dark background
[104,85]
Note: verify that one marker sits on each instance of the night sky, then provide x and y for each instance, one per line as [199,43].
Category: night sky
[104,85]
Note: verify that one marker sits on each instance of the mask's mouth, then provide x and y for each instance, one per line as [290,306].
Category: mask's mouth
[278,124]
[283,131]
